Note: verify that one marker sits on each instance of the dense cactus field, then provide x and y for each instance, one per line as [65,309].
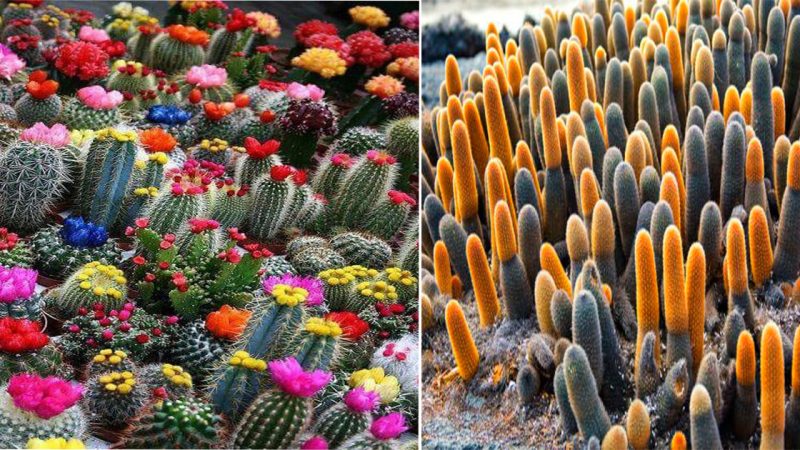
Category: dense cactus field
[208,240]
[610,244]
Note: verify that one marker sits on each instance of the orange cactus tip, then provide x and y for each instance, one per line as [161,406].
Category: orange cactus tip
[465,352]
[678,441]
[602,225]
[754,164]
[505,237]
[548,258]
[773,420]
[793,170]
[228,322]
[745,359]
[736,257]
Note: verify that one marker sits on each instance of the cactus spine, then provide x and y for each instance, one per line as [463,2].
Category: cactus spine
[465,352]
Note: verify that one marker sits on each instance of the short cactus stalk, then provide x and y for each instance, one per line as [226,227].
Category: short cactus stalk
[114,398]
[60,250]
[178,49]
[364,185]
[739,294]
[186,422]
[482,283]
[517,295]
[744,419]
[705,433]
[348,418]
[238,385]
[464,350]
[590,414]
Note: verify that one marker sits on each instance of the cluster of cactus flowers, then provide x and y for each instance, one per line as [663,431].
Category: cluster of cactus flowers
[202,243]
[614,195]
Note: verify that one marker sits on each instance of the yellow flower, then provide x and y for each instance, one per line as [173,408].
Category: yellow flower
[55,443]
[243,359]
[375,380]
[369,16]
[80,137]
[288,295]
[265,24]
[322,327]
[323,61]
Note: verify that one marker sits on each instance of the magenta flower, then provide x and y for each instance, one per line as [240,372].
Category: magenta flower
[45,397]
[96,97]
[410,20]
[56,136]
[315,443]
[290,378]
[93,35]
[16,283]
[206,76]
[312,285]
[389,426]
[10,63]
[359,400]
[299,91]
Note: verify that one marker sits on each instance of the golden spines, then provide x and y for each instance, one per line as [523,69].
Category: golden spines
[580,29]
[746,104]
[465,188]
[477,138]
[465,352]
[745,359]
[544,288]
[454,111]
[754,162]
[441,268]
[704,68]
[497,127]
[503,232]
[636,154]
[670,139]
[581,156]
[537,80]
[452,76]
[793,170]
[678,441]
[524,158]
[760,246]
[731,103]
[575,76]
[590,194]
[482,282]
[675,311]
[549,261]
[550,138]
[695,300]
[736,258]
[647,296]
[426,313]
[779,111]
[670,193]
[602,224]
[772,388]
[444,182]
[514,74]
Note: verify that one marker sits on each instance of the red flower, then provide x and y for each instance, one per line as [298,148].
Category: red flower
[195,96]
[266,48]
[352,326]
[300,177]
[115,49]
[406,49]
[21,336]
[312,27]
[241,100]
[399,197]
[341,160]
[188,35]
[367,48]
[234,234]
[83,60]
[163,265]
[271,85]
[257,150]
[238,21]
[380,158]
[39,86]
[280,173]
[142,222]
[217,111]
[266,116]
[143,338]
[139,260]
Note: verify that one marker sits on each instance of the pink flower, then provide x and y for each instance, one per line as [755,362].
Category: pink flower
[315,443]
[93,35]
[10,63]
[359,400]
[293,380]
[207,76]
[96,97]
[45,397]
[56,136]
[410,20]
[389,426]
[299,91]
[399,197]
[312,285]
[16,283]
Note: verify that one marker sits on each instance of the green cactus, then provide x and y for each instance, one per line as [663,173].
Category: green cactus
[455,238]
[626,205]
[363,186]
[407,256]
[30,110]
[314,260]
[389,215]
[361,248]
[32,177]
[92,283]
[763,114]
[590,414]
[45,361]
[114,398]
[787,262]
[356,141]
[736,52]
[172,56]
[586,332]
[274,420]
[237,384]
[273,195]
[58,257]
[109,360]
[198,348]
[186,423]
[671,396]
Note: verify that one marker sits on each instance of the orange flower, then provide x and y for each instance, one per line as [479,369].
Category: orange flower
[384,86]
[188,35]
[405,67]
[157,140]
[228,322]
[216,111]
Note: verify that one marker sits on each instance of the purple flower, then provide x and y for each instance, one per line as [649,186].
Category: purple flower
[16,283]
[290,378]
[312,285]
[359,400]
[389,426]
[306,116]
[315,443]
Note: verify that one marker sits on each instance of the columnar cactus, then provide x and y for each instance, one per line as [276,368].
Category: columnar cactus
[676,314]
[238,384]
[760,246]
[465,352]
[513,279]
[772,388]
[364,185]
[738,295]
[786,264]
[590,415]
[348,418]
[705,433]
[744,419]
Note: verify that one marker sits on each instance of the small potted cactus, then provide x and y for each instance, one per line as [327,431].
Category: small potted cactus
[14,252]
[18,296]
[61,249]
[26,349]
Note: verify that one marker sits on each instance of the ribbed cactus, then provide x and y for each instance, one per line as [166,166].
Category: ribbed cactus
[465,352]
[586,332]
[695,290]
[179,49]
[698,190]
[772,388]
[603,242]
[93,283]
[455,238]
[114,398]
[363,186]
[238,384]
[733,158]
[184,422]
[348,418]
[529,237]
[760,246]
[647,296]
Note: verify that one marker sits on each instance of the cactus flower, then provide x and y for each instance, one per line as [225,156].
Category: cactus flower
[207,76]
[389,426]
[10,63]
[56,136]
[360,400]
[309,289]
[16,283]
[290,378]
[45,397]
[96,97]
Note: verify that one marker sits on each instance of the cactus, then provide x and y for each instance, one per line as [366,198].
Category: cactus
[482,282]
[676,314]
[32,177]
[577,245]
[698,190]
[710,237]
[464,350]
[92,283]
[638,425]
[185,422]
[744,418]
[13,251]
[289,404]
[590,415]
[555,215]
[615,438]
[356,141]
[733,158]
[551,264]
[760,246]
[561,313]
[671,396]
[772,388]
[626,205]
[568,422]
[359,248]
[348,418]
[33,419]
[786,264]
[791,434]
[110,360]
[364,185]
[647,296]
[178,49]
[39,104]
[513,278]
[318,345]
[603,244]
[114,398]
[705,433]
[739,295]
[238,384]
[60,250]
[586,332]
[273,194]
[695,289]
[763,114]
[529,237]
[27,350]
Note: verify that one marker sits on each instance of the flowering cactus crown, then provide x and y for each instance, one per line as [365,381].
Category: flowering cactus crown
[77,232]
[16,283]
[289,376]
[44,397]
[292,290]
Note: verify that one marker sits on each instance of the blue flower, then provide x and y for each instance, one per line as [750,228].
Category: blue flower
[168,115]
[76,232]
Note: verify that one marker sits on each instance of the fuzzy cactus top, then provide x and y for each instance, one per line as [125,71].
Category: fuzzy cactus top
[19,336]
[289,377]
[77,232]
[360,400]
[97,97]
[57,136]
[44,397]
[16,283]
[389,426]
[380,158]
[207,76]
[291,289]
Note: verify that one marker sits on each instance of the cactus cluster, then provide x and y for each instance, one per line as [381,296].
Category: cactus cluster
[616,183]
